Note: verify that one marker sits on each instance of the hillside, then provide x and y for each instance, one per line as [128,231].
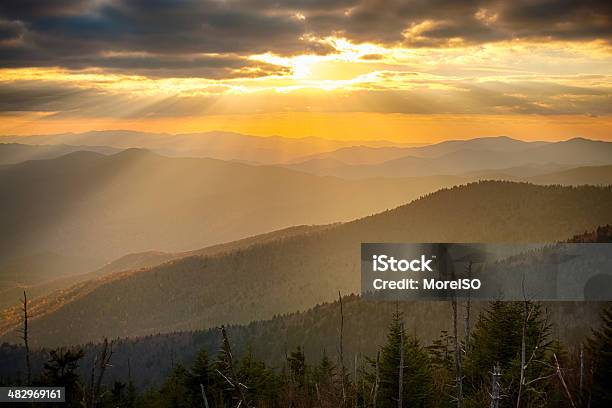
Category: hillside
[300,271]
[596,175]
[149,359]
[68,274]
[39,268]
[461,157]
[107,206]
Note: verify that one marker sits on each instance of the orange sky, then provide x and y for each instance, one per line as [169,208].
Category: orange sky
[399,128]
[428,80]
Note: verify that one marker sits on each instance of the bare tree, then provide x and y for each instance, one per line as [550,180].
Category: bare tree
[581,366]
[341,352]
[523,352]
[400,390]
[563,383]
[495,387]
[376,380]
[25,334]
[468,306]
[355,379]
[101,362]
[234,383]
[204,396]
[458,364]
[528,309]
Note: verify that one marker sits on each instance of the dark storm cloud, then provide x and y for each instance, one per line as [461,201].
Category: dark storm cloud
[39,96]
[174,34]
[10,30]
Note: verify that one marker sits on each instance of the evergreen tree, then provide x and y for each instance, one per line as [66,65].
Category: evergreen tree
[325,371]
[326,384]
[61,371]
[202,375]
[441,358]
[417,380]
[297,367]
[200,370]
[176,391]
[600,350]
[121,395]
[497,339]
[260,382]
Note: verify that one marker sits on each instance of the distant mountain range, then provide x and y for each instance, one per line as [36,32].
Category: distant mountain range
[99,207]
[103,207]
[295,272]
[457,158]
[12,153]
[218,145]
[358,155]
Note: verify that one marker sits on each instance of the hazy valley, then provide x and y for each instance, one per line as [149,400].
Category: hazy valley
[295,272]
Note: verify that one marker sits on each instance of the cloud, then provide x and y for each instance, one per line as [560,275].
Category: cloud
[42,96]
[521,95]
[212,38]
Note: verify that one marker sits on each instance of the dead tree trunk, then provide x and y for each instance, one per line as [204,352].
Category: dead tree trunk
[495,387]
[230,362]
[101,361]
[581,366]
[467,310]
[105,356]
[204,396]
[563,383]
[523,359]
[356,381]
[400,390]
[449,270]
[25,338]
[458,364]
[376,380]
[526,316]
[341,346]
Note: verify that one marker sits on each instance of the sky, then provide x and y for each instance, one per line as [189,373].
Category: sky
[407,71]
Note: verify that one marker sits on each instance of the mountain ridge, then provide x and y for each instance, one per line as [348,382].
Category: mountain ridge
[460,157]
[298,272]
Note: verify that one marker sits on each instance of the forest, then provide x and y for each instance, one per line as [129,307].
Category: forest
[349,352]
[507,358]
[256,282]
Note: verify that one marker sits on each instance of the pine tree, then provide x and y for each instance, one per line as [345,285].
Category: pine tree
[200,371]
[297,367]
[417,386]
[176,391]
[441,357]
[325,371]
[61,371]
[600,350]
[497,339]
[327,386]
[262,384]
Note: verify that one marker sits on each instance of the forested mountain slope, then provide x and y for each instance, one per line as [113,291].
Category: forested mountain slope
[300,271]
[49,294]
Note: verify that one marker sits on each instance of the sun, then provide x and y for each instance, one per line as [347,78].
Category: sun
[301,66]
